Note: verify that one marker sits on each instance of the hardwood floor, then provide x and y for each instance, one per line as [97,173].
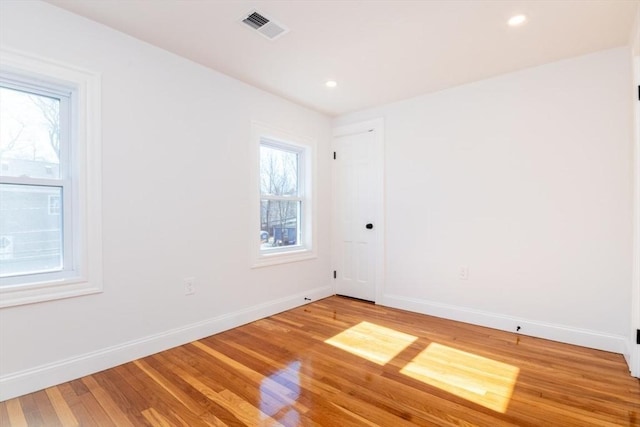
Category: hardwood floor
[342,362]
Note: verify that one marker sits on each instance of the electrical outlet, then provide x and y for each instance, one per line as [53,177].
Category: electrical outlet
[189,285]
[463,272]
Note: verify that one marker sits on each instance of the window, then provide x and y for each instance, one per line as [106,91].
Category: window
[34,136]
[49,214]
[284,211]
[281,190]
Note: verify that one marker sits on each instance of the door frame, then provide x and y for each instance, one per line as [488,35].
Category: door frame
[634,362]
[377,126]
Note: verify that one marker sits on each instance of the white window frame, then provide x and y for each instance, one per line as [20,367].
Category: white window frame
[80,178]
[306,247]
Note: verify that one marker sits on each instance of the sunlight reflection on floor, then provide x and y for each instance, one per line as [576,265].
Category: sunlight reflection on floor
[475,378]
[372,342]
[276,406]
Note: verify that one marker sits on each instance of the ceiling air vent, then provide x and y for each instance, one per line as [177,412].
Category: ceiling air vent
[265,26]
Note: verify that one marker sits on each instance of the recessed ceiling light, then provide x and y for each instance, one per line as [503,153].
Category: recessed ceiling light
[331,83]
[516,20]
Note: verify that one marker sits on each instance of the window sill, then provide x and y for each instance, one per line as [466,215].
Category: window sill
[265,260]
[45,291]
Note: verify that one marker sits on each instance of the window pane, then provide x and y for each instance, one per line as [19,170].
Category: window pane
[278,171]
[279,223]
[30,229]
[29,135]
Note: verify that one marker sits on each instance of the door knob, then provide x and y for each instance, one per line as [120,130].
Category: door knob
[369,226]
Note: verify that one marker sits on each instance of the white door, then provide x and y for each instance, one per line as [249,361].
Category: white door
[358,222]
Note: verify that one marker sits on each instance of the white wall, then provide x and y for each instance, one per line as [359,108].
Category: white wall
[526,179]
[176,140]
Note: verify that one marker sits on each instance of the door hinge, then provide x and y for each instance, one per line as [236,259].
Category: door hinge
[334,155]
[335,274]
[637,336]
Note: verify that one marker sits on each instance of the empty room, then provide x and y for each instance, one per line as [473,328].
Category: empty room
[319,213]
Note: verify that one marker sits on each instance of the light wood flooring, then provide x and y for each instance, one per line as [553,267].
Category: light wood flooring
[342,362]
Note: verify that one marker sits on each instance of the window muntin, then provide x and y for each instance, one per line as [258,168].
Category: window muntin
[281,196]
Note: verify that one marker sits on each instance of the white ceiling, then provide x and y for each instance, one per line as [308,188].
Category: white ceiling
[378,51]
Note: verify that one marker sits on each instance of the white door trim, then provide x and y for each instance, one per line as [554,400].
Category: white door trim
[377,126]
[634,362]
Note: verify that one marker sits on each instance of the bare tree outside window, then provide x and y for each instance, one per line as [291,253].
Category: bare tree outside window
[29,134]
[50,109]
[8,142]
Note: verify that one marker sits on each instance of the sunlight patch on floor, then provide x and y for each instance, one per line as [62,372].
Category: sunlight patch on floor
[475,378]
[375,343]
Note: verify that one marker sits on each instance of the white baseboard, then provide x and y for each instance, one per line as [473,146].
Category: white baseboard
[40,377]
[561,333]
